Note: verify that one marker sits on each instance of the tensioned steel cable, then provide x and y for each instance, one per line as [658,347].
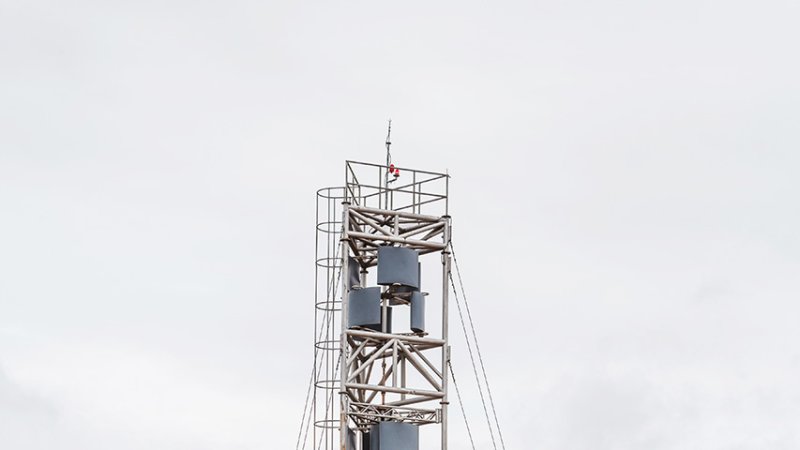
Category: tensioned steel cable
[335,286]
[329,402]
[310,384]
[330,315]
[477,347]
[308,392]
[305,408]
[461,404]
[472,359]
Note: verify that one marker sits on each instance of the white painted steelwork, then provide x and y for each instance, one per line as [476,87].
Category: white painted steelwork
[378,376]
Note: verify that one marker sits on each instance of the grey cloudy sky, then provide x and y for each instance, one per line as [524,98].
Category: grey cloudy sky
[624,193]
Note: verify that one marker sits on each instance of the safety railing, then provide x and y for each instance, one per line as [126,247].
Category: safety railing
[396,188]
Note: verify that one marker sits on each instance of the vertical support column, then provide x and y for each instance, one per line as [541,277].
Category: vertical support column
[445,328]
[394,364]
[343,369]
[403,375]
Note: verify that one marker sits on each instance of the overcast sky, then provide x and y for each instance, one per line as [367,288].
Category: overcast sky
[624,201]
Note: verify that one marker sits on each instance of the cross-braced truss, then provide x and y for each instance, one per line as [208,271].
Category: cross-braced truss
[369,228]
[366,414]
[377,375]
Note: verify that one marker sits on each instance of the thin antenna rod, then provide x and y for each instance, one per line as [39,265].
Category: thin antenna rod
[388,152]
[388,162]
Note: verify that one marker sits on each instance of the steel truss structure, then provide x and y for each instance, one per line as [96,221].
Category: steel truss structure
[378,375]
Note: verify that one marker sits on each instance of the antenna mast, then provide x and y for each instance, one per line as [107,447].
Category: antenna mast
[388,149]
[389,166]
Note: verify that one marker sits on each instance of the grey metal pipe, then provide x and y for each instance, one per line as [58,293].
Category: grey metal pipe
[433,342]
[399,240]
[396,390]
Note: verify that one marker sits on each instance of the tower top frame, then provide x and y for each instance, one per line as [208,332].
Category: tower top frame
[416,191]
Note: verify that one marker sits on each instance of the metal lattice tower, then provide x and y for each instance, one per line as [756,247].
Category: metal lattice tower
[381,369]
